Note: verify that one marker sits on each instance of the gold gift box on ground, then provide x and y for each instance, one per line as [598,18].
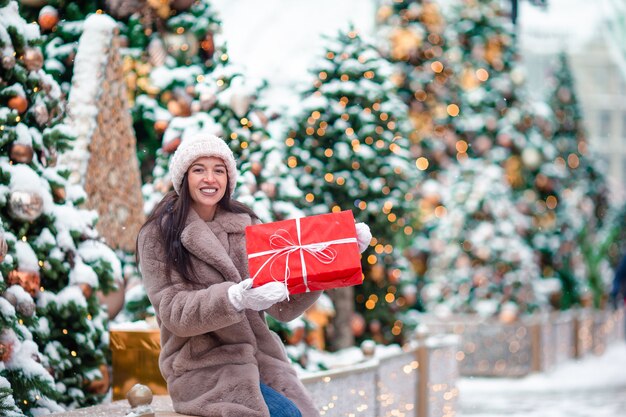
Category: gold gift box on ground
[135,357]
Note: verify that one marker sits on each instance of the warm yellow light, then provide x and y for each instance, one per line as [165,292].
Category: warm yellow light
[292,162]
[421,163]
[436,66]
[329,177]
[309,130]
[336,209]
[453,110]
[328,153]
[372,259]
[573,161]
[369,74]
[341,180]
[551,202]
[408,230]
[390,297]
[384,116]
[391,217]
[362,205]
[289,142]
[323,75]
[344,77]
[461,146]
[376,106]
[349,131]
[440,211]
[309,198]
[420,95]
[482,74]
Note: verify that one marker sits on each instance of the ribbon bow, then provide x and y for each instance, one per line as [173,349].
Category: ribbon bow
[283,244]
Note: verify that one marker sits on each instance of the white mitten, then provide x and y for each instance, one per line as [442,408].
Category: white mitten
[242,295]
[363,236]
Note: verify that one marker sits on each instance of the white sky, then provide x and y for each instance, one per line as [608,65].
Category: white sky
[278,39]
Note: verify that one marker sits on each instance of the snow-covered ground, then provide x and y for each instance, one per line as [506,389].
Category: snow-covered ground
[594,386]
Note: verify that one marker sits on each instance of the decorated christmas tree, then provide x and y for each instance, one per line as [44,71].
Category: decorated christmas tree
[415,35]
[479,260]
[583,217]
[348,150]
[53,338]
[466,79]
[177,37]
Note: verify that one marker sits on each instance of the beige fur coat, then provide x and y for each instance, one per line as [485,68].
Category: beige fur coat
[214,357]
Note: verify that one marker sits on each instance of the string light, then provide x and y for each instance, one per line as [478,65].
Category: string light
[453,110]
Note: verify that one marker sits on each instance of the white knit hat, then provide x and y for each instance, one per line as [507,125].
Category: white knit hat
[197,146]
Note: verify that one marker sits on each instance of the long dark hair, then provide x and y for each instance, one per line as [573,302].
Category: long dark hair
[170,214]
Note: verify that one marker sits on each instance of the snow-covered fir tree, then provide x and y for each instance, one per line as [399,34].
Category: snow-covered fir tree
[53,334]
[177,35]
[416,39]
[583,217]
[348,150]
[479,259]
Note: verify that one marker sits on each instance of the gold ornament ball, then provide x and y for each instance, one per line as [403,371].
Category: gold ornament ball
[29,280]
[256,168]
[33,59]
[179,108]
[8,61]
[18,103]
[208,45]
[171,146]
[48,18]
[160,126]
[26,308]
[21,153]
[59,193]
[25,205]
[86,289]
[139,395]
[5,352]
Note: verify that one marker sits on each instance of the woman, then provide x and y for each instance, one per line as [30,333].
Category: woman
[218,356]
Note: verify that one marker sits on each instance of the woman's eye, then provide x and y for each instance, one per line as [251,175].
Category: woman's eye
[220,171]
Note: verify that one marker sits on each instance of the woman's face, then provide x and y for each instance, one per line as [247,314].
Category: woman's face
[207,178]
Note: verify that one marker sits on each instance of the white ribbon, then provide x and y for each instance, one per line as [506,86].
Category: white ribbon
[282,244]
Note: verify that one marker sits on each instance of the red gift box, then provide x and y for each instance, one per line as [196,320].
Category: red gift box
[308,254]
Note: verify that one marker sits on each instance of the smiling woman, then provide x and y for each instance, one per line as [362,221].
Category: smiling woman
[218,356]
[207,179]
